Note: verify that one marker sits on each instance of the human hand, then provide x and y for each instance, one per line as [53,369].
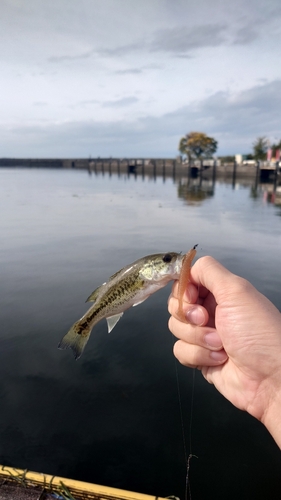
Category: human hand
[233,334]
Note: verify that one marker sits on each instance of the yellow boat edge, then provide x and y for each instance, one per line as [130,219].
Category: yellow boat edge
[57,483]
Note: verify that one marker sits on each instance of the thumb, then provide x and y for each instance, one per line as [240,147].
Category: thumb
[212,276]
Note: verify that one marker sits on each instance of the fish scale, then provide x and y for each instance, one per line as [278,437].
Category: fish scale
[118,296]
[114,299]
[128,287]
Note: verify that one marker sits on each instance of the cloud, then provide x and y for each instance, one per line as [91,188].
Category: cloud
[122,49]
[180,40]
[245,35]
[265,19]
[137,71]
[259,104]
[132,71]
[125,101]
[84,104]
[88,101]
[78,57]
[235,120]
[40,103]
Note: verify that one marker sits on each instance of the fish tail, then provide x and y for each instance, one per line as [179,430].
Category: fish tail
[77,338]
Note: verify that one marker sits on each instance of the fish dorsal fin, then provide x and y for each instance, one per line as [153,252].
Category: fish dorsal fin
[112,320]
[94,295]
[115,274]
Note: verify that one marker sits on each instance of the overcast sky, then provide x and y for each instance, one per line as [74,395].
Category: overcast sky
[131,77]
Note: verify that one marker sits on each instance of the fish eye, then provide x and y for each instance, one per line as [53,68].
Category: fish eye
[167,257]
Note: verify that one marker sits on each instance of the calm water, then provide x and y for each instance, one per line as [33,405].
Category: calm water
[113,416]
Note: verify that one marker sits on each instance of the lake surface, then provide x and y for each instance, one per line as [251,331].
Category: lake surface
[113,417]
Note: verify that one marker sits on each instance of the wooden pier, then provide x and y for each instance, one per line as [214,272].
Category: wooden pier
[165,167]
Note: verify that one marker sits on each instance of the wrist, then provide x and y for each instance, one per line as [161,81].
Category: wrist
[272,417]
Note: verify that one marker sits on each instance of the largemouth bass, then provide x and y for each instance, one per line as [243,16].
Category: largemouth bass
[128,287]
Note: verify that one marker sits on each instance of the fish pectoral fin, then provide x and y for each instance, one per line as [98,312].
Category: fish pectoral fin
[112,320]
[140,302]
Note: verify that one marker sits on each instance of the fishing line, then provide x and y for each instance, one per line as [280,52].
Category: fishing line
[190,455]
[187,457]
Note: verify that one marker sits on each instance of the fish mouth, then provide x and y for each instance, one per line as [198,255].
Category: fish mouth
[179,262]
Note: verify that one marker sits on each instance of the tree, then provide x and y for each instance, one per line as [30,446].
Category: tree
[260,147]
[227,159]
[196,145]
[274,148]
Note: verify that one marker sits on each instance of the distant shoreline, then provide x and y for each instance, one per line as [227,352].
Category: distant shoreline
[153,166]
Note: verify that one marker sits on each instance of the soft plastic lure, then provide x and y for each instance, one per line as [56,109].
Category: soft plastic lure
[184,279]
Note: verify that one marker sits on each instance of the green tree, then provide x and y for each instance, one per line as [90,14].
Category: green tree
[227,159]
[196,145]
[260,147]
[274,147]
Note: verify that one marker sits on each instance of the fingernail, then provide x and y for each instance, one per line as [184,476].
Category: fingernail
[195,316]
[212,339]
[218,355]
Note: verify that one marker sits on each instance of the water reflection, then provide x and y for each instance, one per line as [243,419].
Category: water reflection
[193,191]
[193,185]
[271,194]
